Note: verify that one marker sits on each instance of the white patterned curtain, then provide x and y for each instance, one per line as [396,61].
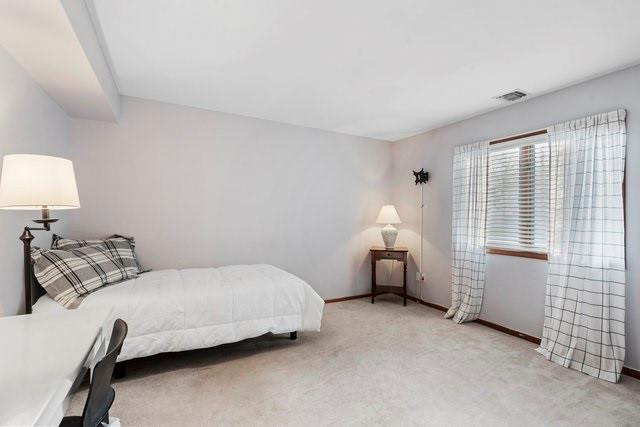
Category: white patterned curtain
[585,303]
[468,231]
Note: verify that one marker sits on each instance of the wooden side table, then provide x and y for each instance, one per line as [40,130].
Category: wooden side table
[397,254]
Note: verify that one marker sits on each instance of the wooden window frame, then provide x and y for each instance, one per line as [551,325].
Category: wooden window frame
[521,254]
[512,252]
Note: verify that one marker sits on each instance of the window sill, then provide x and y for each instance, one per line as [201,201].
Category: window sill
[522,254]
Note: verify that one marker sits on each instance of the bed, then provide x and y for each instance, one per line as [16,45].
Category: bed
[176,310]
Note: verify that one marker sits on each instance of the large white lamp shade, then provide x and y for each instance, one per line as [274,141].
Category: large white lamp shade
[388,215]
[30,181]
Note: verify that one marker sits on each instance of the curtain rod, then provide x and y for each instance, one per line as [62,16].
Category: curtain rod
[519,136]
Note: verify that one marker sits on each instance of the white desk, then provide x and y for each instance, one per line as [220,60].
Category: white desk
[41,357]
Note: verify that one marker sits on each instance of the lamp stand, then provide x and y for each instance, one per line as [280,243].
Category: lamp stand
[27,237]
[389,235]
[45,220]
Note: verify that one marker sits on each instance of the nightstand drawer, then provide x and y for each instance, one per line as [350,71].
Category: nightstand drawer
[398,256]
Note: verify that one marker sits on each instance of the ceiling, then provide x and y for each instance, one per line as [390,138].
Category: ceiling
[54,41]
[385,69]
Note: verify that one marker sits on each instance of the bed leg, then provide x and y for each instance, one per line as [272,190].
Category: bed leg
[119,371]
[293,335]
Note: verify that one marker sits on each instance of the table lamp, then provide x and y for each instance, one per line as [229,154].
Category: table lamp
[388,216]
[34,182]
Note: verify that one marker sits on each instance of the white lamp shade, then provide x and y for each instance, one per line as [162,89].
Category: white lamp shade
[388,215]
[30,181]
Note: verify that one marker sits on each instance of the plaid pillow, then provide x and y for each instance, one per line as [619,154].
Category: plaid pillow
[121,248]
[68,276]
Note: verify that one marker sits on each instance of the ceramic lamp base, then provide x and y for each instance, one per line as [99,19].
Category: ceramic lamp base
[389,235]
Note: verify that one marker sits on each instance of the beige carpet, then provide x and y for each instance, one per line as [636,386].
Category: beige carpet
[380,364]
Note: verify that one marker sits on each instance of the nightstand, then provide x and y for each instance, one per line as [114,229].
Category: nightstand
[397,254]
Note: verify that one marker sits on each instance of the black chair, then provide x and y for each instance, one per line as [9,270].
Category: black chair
[101,394]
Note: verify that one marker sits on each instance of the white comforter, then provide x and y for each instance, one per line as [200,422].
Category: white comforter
[175,310]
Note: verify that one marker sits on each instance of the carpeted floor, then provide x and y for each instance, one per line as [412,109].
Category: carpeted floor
[381,364]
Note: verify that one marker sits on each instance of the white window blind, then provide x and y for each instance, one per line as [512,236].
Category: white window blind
[518,195]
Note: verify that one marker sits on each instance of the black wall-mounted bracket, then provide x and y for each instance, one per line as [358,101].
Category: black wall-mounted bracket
[421,176]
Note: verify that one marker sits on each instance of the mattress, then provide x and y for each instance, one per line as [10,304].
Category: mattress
[176,310]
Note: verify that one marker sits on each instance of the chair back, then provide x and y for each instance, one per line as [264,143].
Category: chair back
[101,395]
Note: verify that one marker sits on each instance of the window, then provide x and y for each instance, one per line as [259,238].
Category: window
[518,196]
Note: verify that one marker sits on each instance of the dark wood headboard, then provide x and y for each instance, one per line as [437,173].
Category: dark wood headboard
[36,290]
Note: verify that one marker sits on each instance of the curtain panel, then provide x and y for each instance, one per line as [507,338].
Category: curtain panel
[468,231]
[585,291]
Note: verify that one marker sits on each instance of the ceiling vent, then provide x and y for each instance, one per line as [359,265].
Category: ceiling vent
[511,96]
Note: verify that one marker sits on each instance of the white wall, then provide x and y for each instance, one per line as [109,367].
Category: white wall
[199,188]
[515,287]
[30,122]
